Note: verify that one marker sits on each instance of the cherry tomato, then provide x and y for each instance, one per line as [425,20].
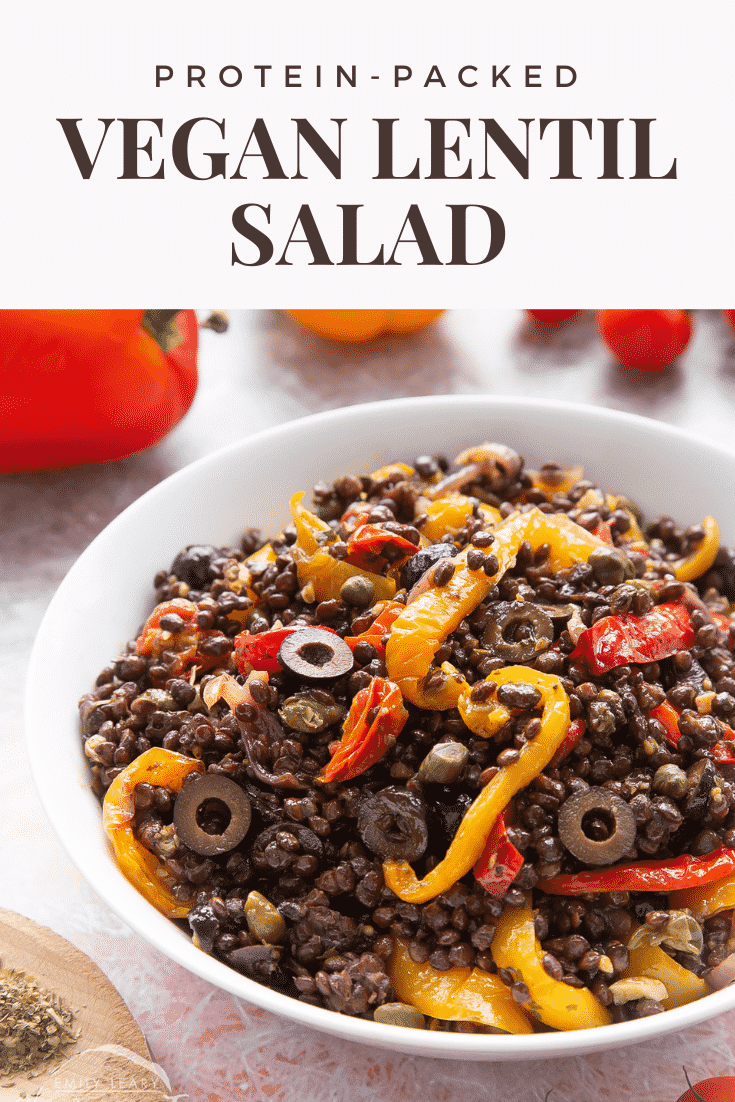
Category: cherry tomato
[730,315]
[648,340]
[719,1089]
[554,315]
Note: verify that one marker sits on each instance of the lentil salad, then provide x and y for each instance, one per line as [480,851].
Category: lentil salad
[315,898]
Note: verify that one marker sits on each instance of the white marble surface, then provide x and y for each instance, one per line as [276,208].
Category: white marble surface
[266,370]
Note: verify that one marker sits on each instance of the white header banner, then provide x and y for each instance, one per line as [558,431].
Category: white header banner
[330,154]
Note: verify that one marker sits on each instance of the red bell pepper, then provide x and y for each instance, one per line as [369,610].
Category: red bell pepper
[500,861]
[574,735]
[668,717]
[80,386]
[373,545]
[616,640]
[646,876]
[603,531]
[260,652]
[378,631]
[355,515]
[184,644]
[374,722]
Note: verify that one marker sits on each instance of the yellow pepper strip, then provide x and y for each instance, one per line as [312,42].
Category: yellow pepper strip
[652,962]
[516,947]
[457,995]
[468,843]
[700,560]
[391,471]
[707,900]
[315,565]
[418,632]
[163,769]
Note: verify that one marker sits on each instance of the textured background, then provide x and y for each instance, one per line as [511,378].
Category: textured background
[266,370]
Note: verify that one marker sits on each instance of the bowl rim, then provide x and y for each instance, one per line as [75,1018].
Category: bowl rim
[180,949]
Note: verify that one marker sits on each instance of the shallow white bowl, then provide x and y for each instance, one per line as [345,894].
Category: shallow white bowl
[249,484]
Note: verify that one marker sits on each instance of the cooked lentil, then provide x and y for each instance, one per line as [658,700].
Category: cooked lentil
[312,860]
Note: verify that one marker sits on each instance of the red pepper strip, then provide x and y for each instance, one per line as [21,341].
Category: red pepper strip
[498,867]
[574,735]
[379,629]
[724,623]
[616,640]
[355,515]
[372,542]
[184,644]
[373,724]
[260,652]
[646,876]
[603,531]
[668,717]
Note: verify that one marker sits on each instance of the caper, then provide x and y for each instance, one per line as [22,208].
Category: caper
[610,566]
[162,699]
[402,1014]
[190,801]
[596,826]
[309,716]
[263,919]
[518,631]
[444,763]
[358,591]
[670,780]
[315,653]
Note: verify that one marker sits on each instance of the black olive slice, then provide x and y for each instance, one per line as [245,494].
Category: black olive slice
[518,631]
[392,824]
[596,826]
[316,654]
[189,802]
[419,563]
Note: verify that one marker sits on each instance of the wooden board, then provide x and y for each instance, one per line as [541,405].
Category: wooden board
[111,1061]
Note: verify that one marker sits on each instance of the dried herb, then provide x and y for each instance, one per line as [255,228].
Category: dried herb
[35,1024]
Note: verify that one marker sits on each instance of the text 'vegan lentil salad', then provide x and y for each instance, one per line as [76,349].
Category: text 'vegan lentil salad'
[453,750]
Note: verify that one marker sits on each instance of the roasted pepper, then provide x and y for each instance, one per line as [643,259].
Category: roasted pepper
[651,961]
[374,545]
[379,630]
[515,947]
[466,847]
[419,632]
[646,876]
[447,516]
[500,861]
[80,386]
[260,652]
[616,640]
[574,735]
[182,643]
[707,899]
[456,995]
[316,568]
[357,326]
[163,769]
[668,716]
[696,564]
[374,722]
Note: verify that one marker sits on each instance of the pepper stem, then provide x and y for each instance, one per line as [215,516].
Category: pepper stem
[161,326]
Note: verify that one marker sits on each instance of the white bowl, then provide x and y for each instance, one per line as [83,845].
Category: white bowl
[249,484]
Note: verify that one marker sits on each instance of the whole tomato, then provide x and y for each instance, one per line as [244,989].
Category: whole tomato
[554,315]
[719,1089]
[647,340]
[730,315]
